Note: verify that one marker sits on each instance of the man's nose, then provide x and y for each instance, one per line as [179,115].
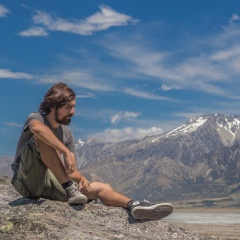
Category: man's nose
[72,110]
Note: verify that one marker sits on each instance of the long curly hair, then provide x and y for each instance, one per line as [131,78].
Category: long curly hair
[57,96]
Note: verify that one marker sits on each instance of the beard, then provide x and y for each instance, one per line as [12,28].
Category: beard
[65,121]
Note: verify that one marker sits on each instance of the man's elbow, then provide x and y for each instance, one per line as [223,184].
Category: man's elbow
[35,127]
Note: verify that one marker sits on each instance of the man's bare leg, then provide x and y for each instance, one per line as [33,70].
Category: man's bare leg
[52,160]
[106,195]
[139,210]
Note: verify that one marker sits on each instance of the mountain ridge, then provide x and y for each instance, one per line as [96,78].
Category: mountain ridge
[197,160]
[181,159]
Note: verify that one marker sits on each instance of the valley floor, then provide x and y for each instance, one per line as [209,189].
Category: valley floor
[227,229]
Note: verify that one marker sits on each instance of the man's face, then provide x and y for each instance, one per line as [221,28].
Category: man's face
[64,114]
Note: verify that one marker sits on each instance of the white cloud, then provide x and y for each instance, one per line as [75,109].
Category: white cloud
[99,21]
[226,54]
[87,95]
[143,59]
[166,87]
[208,69]
[34,32]
[5,73]
[145,95]
[228,60]
[12,124]
[79,78]
[131,114]
[234,17]
[3,11]
[123,115]
[114,135]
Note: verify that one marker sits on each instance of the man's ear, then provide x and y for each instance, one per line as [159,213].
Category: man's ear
[52,109]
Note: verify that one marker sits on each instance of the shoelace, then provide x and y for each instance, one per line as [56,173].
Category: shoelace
[73,189]
[147,202]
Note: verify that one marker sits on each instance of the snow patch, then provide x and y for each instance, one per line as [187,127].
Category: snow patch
[156,139]
[230,126]
[195,123]
[79,143]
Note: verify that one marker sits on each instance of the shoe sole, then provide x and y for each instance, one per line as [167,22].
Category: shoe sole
[154,212]
[77,200]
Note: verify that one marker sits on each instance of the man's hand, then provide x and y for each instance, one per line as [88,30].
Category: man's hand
[70,163]
[84,184]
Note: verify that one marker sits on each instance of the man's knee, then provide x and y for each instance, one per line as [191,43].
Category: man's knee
[107,185]
[98,187]
[104,187]
[44,149]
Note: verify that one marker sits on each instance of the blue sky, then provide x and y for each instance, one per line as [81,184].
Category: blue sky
[138,67]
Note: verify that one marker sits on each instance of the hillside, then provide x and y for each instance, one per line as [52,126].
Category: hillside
[28,219]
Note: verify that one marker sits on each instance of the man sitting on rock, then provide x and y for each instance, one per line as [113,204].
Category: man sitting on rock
[45,165]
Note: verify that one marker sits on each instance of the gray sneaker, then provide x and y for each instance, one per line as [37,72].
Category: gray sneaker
[75,196]
[146,210]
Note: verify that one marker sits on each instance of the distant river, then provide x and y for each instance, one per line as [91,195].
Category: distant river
[223,218]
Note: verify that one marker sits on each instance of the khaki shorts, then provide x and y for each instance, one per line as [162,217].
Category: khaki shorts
[34,179]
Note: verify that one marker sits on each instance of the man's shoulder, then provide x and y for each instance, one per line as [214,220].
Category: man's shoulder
[35,115]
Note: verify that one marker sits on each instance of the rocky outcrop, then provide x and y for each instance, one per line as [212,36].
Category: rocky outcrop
[22,218]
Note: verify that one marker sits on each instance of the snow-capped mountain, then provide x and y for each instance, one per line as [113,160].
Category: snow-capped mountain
[202,152]
[228,127]
[192,125]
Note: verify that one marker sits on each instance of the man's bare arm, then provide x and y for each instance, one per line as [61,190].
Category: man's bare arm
[45,134]
[78,177]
